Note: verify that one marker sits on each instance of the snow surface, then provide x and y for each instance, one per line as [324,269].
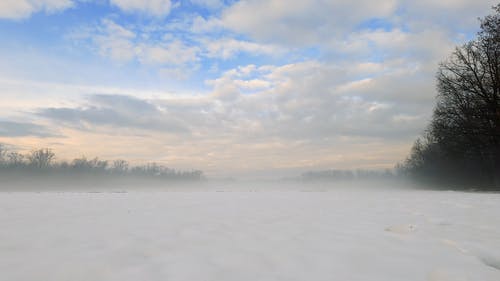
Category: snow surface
[340,234]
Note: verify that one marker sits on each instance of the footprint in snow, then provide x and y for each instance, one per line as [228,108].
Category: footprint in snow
[487,257]
[402,228]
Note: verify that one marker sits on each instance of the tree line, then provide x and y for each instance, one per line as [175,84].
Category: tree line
[461,146]
[43,162]
[348,175]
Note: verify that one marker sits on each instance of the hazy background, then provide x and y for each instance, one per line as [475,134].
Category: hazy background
[252,89]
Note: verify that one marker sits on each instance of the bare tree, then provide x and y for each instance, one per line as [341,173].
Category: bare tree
[3,154]
[16,159]
[120,166]
[41,158]
[464,135]
[84,164]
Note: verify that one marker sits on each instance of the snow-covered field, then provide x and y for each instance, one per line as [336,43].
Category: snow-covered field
[342,234]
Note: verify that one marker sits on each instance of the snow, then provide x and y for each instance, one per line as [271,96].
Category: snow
[338,234]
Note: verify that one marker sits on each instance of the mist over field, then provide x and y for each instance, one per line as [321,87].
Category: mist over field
[125,228]
[119,184]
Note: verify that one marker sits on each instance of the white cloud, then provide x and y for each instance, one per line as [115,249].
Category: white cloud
[153,46]
[115,41]
[449,14]
[202,25]
[305,101]
[301,22]
[177,73]
[126,44]
[170,53]
[311,100]
[267,115]
[226,48]
[312,104]
[156,8]
[423,47]
[253,84]
[313,22]
[18,9]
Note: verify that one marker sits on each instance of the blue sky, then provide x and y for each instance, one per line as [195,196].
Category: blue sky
[229,87]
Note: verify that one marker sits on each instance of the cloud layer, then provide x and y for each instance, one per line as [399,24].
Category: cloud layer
[232,85]
[19,9]
[23,129]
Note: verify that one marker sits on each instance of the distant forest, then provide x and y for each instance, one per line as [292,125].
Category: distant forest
[41,162]
[461,146]
[348,175]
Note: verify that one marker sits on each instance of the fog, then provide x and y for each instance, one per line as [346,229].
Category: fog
[323,225]
[120,183]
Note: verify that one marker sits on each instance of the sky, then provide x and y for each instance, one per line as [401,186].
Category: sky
[234,88]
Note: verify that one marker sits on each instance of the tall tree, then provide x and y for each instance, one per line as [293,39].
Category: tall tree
[464,135]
